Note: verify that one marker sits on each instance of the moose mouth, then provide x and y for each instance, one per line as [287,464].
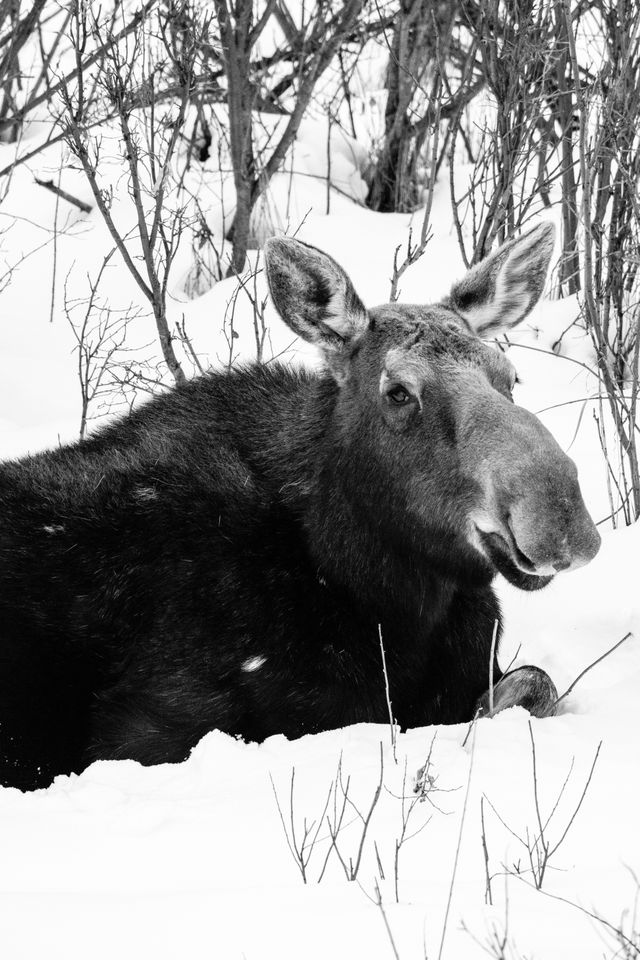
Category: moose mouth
[505,555]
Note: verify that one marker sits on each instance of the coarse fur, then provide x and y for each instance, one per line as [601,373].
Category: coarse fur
[227,555]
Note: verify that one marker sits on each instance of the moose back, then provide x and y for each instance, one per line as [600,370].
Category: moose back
[232,554]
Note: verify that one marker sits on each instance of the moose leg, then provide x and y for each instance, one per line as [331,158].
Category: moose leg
[528,687]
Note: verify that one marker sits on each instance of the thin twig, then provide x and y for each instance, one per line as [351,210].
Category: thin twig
[54,188]
[458,847]
[591,665]
[392,725]
[491,662]
[555,847]
[588,913]
[386,922]
[485,852]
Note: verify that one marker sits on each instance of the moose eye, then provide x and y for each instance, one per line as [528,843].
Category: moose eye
[399,395]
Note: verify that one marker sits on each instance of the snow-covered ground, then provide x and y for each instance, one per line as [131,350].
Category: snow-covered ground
[194,860]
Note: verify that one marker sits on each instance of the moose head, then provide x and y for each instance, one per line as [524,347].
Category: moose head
[424,412]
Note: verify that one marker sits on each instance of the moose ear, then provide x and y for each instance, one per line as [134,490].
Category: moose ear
[500,291]
[314,295]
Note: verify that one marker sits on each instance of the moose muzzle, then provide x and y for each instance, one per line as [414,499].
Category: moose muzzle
[533,516]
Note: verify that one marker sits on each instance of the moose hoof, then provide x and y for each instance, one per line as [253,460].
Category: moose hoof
[528,687]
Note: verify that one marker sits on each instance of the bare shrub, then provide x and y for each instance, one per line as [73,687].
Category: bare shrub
[608,108]
[514,42]
[100,332]
[430,78]
[342,830]
[542,842]
[325,28]
[149,141]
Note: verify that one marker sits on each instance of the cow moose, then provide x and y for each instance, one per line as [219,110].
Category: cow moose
[230,554]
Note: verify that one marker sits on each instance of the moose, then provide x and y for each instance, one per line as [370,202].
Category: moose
[240,552]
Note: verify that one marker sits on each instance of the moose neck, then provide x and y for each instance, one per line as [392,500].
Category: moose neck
[360,535]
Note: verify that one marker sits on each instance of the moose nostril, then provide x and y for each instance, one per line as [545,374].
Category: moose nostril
[561,565]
